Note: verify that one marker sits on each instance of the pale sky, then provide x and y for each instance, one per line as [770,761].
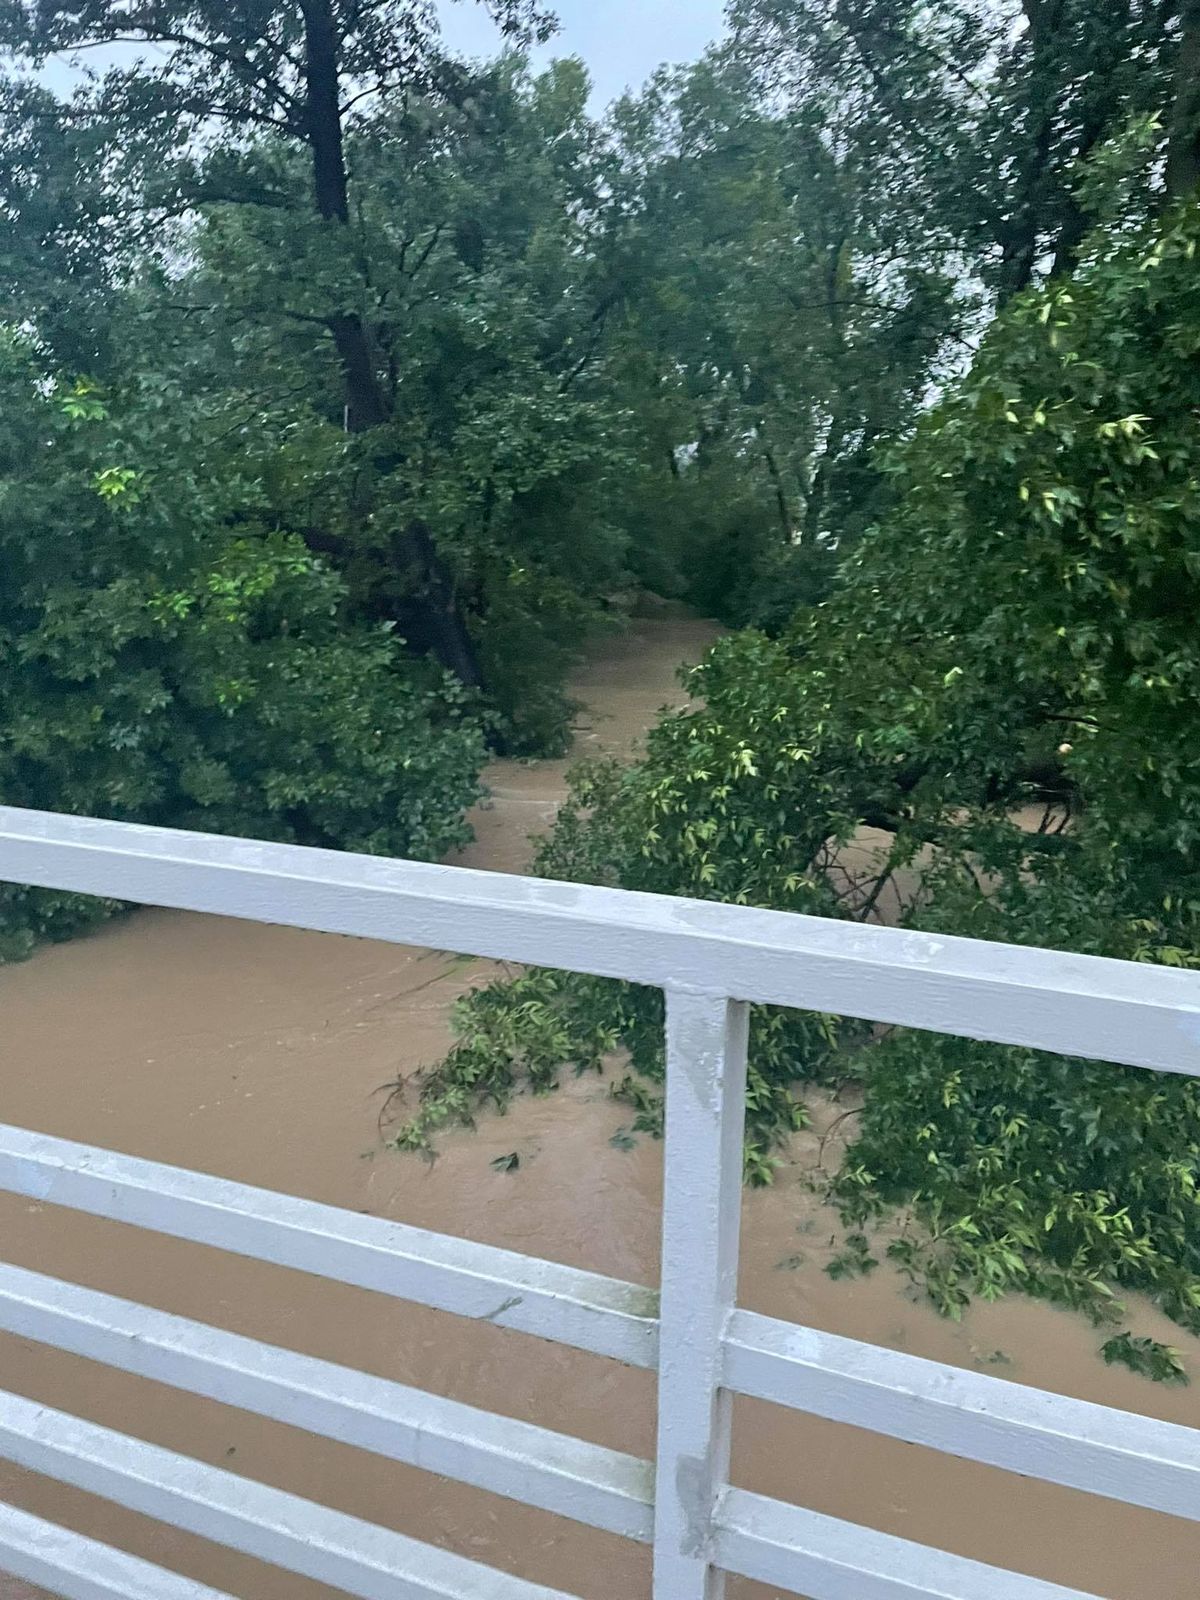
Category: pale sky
[622,41]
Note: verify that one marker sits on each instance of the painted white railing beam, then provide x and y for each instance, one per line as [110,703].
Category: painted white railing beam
[478,1281]
[1142,1015]
[823,1558]
[599,1487]
[370,1562]
[1140,1460]
[76,1568]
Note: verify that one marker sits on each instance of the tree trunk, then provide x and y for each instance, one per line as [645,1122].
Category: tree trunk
[322,83]
[365,403]
[820,486]
[1020,236]
[776,477]
[430,617]
[435,621]
[1183,157]
[821,492]
[1075,220]
[1102,115]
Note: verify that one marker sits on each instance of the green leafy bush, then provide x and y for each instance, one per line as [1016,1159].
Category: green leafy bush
[168,656]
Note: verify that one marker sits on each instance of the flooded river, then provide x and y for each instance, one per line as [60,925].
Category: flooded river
[257,1053]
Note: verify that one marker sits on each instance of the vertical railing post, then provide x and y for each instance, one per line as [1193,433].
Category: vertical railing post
[702,1194]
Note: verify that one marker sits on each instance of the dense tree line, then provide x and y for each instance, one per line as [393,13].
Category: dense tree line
[295,302]
[348,386]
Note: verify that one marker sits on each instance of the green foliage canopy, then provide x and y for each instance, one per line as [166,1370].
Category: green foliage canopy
[172,653]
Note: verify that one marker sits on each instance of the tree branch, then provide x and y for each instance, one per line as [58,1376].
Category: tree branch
[240,65]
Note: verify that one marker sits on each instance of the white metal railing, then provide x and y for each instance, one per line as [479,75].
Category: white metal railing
[712,961]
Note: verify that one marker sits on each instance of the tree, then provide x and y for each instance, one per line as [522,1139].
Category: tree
[293,72]
[71,232]
[483,233]
[780,324]
[986,110]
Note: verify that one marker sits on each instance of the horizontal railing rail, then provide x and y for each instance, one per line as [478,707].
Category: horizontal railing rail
[43,1553]
[804,1551]
[711,961]
[602,1488]
[295,1534]
[1141,1015]
[479,1281]
[1076,1443]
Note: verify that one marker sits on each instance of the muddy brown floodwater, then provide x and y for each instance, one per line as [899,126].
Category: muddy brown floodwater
[256,1053]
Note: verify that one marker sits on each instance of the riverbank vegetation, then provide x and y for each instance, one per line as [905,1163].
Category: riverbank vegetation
[348,387]
[1002,684]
